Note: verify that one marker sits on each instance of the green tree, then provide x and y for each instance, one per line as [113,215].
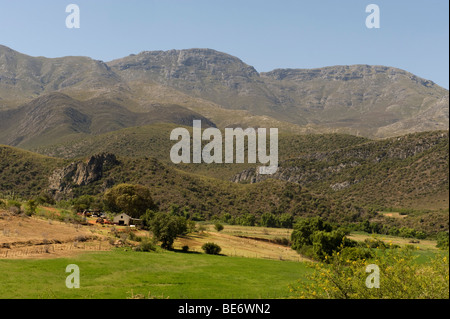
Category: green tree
[133,200]
[269,220]
[305,228]
[147,218]
[166,228]
[247,220]
[286,220]
[325,243]
[83,202]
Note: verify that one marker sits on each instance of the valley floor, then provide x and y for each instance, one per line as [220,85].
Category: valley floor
[253,264]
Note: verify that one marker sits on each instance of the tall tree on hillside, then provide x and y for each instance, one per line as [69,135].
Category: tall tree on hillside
[133,200]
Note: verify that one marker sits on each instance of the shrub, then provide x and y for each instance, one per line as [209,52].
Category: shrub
[132,236]
[145,245]
[375,243]
[45,198]
[218,227]
[316,239]
[30,208]
[81,238]
[286,220]
[442,240]
[14,206]
[185,248]
[211,248]
[282,241]
[325,243]
[356,253]
[401,277]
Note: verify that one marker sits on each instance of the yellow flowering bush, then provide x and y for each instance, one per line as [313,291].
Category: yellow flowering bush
[400,277]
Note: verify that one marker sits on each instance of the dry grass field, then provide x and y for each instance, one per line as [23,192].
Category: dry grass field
[239,246]
[36,237]
[421,244]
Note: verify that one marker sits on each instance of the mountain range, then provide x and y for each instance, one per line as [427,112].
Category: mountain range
[44,101]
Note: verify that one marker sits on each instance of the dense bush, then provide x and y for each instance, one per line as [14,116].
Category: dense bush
[305,228]
[375,243]
[145,245]
[325,243]
[442,240]
[14,206]
[317,239]
[211,248]
[356,253]
[30,207]
[185,248]
[400,276]
[269,220]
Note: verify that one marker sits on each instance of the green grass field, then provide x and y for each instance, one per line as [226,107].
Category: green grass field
[118,274]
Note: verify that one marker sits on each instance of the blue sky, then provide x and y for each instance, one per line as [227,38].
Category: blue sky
[265,34]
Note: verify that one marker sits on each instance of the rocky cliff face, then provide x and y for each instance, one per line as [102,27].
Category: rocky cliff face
[63,180]
[192,66]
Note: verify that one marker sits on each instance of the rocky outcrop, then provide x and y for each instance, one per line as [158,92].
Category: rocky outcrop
[81,173]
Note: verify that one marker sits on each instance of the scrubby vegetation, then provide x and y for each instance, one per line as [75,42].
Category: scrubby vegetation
[211,248]
[400,277]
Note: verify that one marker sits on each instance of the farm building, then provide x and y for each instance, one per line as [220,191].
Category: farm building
[122,219]
[125,220]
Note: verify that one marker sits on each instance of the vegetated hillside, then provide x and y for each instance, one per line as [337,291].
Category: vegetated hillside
[372,101]
[28,175]
[408,171]
[23,173]
[153,141]
[205,197]
[56,116]
[143,141]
